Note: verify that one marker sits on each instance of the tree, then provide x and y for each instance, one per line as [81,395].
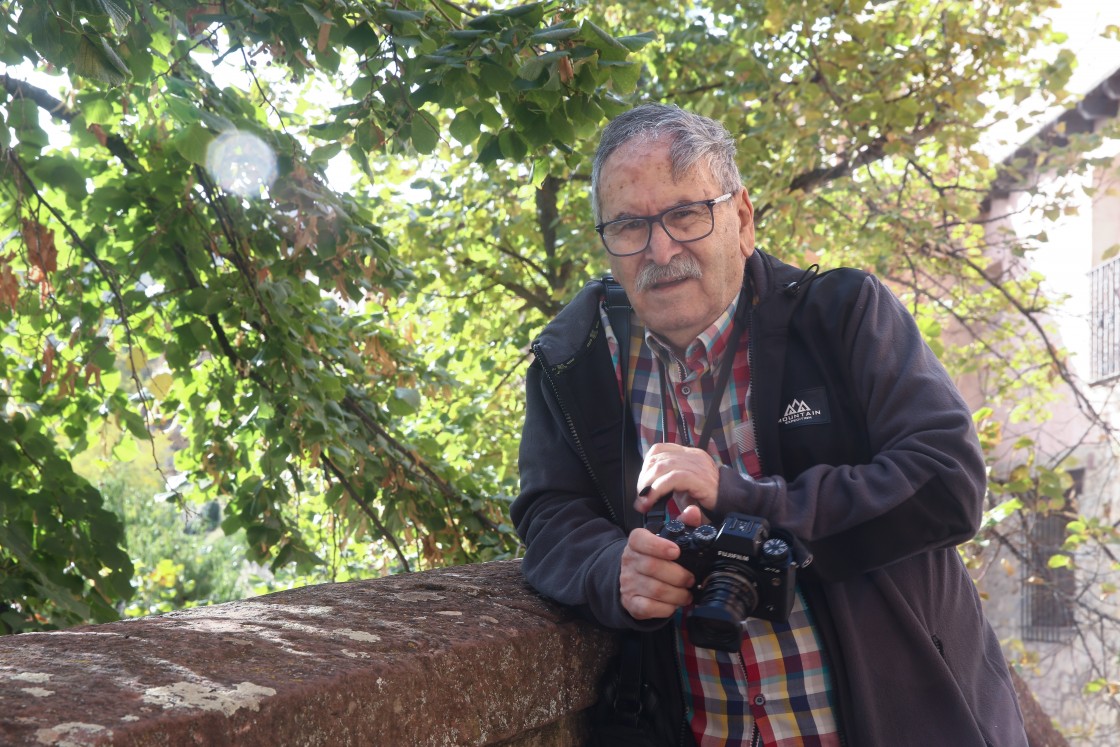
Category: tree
[177,261]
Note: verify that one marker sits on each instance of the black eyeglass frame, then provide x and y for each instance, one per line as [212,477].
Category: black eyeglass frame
[659,219]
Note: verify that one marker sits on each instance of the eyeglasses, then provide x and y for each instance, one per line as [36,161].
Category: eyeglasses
[690,222]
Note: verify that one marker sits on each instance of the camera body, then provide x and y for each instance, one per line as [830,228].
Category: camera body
[741,571]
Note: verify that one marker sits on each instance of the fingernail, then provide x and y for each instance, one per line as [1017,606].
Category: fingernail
[645,491]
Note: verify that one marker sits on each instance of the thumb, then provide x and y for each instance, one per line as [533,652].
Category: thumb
[692,516]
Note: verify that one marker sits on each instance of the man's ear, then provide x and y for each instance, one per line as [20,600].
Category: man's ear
[745,210]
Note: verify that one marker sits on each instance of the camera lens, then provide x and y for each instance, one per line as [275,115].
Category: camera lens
[727,600]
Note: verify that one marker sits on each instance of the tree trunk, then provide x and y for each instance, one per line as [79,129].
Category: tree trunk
[1040,729]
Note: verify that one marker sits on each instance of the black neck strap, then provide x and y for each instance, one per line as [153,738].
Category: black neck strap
[727,363]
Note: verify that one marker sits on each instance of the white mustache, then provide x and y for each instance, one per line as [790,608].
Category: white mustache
[680,267]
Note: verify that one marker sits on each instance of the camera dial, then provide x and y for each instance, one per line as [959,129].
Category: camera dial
[775,550]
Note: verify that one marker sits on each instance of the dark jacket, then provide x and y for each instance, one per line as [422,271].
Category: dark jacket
[872,461]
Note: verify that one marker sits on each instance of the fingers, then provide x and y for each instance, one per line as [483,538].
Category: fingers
[672,468]
[692,516]
[652,585]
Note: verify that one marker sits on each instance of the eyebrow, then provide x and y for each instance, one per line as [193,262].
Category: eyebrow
[626,215]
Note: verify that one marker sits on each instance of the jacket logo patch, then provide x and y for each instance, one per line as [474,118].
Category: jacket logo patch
[809,407]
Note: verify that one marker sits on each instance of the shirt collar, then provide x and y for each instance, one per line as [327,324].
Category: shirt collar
[704,352]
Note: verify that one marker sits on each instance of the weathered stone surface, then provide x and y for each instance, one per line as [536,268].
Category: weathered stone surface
[465,655]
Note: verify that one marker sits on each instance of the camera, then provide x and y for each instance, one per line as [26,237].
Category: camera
[741,570]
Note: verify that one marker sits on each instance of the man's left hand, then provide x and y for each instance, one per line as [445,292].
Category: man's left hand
[682,471]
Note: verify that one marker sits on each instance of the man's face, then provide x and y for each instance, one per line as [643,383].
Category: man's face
[637,181]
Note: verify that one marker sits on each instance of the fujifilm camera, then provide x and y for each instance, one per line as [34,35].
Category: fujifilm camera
[741,571]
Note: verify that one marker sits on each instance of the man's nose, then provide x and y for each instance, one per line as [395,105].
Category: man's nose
[662,247]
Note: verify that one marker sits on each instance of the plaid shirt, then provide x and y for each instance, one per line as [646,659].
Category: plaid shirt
[776,691]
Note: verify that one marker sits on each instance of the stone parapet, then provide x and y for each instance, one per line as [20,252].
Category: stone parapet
[458,656]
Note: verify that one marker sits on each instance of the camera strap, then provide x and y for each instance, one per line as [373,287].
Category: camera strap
[655,517]
[728,363]
[618,312]
[626,699]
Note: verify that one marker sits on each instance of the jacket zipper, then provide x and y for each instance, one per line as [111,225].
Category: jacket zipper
[580,451]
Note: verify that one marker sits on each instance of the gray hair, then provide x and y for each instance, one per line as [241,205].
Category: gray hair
[694,139]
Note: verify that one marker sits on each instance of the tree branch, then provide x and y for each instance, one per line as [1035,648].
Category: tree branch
[58,110]
[367,510]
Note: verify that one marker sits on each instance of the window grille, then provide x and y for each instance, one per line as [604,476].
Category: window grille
[1048,593]
[1105,356]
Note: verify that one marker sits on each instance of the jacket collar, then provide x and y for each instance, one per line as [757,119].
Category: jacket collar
[575,329]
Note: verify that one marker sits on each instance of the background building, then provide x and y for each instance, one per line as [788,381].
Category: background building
[1053,600]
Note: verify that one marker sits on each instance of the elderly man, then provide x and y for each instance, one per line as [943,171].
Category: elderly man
[734,384]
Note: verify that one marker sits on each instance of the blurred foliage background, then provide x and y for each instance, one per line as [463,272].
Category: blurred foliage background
[269,271]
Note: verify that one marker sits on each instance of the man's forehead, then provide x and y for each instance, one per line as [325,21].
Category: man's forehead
[641,151]
[638,192]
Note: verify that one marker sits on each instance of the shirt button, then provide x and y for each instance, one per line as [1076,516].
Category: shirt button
[760,700]
[686,390]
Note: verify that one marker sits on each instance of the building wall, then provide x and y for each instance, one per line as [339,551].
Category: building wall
[1059,671]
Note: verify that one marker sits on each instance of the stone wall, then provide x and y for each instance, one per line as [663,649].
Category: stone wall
[459,656]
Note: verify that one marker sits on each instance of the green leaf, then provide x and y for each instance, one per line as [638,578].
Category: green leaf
[464,127]
[625,76]
[126,450]
[468,35]
[23,117]
[204,301]
[1059,561]
[488,22]
[553,35]
[326,152]
[1002,511]
[425,133]
[404,18]
[496,77]
[532,68]
[118,14]
[96,59]
[361,38]
[530,13]
[317,16]
[512,145]
[490,149]
[103,357]
[636,42]
[38,22]
[99,110]
[405,401]
[608,46]
[193,143]
[62,173]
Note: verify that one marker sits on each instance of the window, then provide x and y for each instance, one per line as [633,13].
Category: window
[1105,357]
[1048,593]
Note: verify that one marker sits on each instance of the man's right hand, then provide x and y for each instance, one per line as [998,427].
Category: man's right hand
[652,584]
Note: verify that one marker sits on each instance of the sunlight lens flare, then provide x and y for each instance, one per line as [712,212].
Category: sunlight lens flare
[241,163]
